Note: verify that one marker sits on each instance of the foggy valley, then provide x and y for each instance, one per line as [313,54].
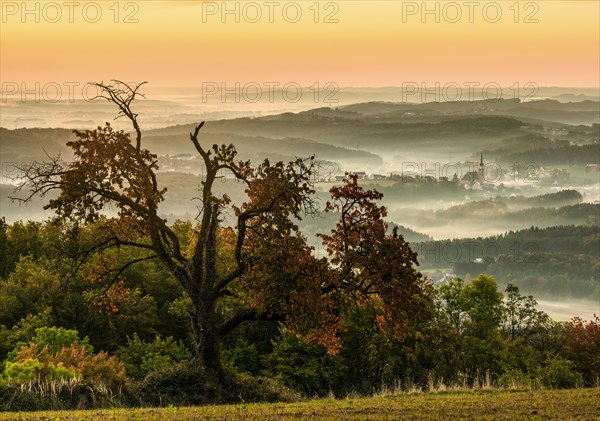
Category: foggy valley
[540,165]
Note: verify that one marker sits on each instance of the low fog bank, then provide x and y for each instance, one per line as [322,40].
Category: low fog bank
[186,105]
[565,310]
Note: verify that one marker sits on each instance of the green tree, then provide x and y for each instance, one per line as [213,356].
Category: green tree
[474,310]
[521,318]
[29,289]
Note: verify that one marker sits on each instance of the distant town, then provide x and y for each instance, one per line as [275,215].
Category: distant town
[471,175]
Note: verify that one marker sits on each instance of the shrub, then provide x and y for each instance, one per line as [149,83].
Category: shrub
[183,383]
[262,389]
[560,374]
[243,356]
[303,366]
[101,368]
[25,371]
[57,338]
[141,357]
[514,378]
[50,356]
[186,383]
[31,369]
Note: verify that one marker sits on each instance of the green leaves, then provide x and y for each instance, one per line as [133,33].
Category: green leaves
[141,357]
[56,338]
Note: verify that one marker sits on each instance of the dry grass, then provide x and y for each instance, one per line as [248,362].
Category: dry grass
[576,404]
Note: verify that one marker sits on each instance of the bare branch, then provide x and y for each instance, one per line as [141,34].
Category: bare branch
[123,94]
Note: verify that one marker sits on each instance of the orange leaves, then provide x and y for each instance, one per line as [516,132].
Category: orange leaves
[32,351]
[371,264]
[100,367]
[327,334]
[227,238]
[110,301]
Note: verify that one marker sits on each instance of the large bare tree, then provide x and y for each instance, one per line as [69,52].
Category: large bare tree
[110,169]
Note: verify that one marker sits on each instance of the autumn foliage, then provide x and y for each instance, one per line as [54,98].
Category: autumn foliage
[370,264]
[582,346]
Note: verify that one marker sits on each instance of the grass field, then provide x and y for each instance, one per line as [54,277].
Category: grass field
[577,404]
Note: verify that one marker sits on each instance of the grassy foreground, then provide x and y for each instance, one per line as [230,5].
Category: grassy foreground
[577,404]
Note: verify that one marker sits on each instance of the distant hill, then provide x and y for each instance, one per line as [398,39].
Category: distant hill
[582,112]
[258,147]
[558,261]
[25,145]
[365,132]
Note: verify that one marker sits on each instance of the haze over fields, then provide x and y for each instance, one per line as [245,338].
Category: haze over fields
[539,155]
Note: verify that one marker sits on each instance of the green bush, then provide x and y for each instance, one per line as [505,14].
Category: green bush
[32,369]
[559,373]
[186,383]
[514,378]
[303,366]
[22,372]
[57,338]
[243,356]
[183,383]
[262,389]
[142,357]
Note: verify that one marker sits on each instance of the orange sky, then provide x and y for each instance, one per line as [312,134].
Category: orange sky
[178,43]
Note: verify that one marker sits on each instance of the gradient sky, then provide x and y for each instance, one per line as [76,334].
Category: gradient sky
[370,45]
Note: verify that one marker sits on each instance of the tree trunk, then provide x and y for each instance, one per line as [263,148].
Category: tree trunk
[206,336]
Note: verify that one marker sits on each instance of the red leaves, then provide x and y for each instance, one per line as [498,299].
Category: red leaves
[369,266]
[111,300]
[372,265]
[360,225]
[582,346]
[580,334]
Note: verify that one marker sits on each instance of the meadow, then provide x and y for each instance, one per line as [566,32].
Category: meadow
[574,404]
